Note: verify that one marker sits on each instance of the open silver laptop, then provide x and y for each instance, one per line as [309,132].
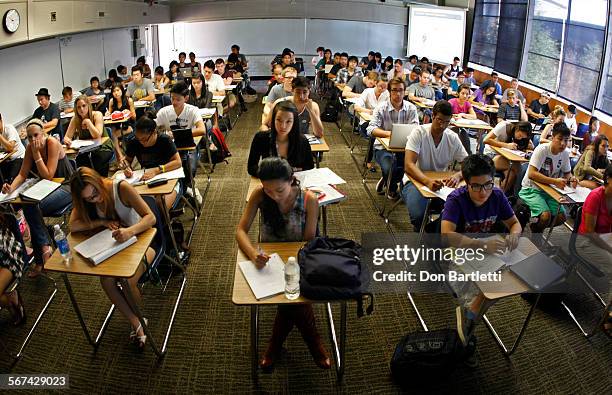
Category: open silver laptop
[400,133]
[185,72]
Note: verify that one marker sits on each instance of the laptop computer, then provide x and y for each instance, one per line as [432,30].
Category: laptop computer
[185,72]
[538,271]
[400,133]
[183,138]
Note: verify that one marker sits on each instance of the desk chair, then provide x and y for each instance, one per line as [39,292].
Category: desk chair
[63,212]
[27,259]
[594,270]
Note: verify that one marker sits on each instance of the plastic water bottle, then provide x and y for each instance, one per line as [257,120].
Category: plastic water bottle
[292,279]
[62,243]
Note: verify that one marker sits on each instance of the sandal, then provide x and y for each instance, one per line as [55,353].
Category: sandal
[140,340]
[134,332]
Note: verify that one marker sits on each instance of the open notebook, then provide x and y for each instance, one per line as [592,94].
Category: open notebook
[102,246]
[267,281]
[327,194]
[32,189]
[137,175]
[318,177]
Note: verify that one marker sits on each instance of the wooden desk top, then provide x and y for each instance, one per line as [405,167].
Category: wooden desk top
[124,264]
[422,105]
[436,175]
[458,122]
[364,115]
[72,151]
[197,142]
[111,122]
[323,147]
[550,191]
[31,202]
[385,143]
[157,191]
[218,99]
[509,155]
[253,183]
[142,105]
[241,292]
[7,156]
[486,107]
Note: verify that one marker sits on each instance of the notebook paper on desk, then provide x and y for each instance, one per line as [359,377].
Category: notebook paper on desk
[318,177]
[136,176]
[267,281]
[514,151]
[312,139]
[102,246]
[327,194]
[77,144]
[205,112]
[40,190]
[442,193]
[7,197]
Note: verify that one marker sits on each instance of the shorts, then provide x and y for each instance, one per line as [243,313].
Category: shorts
[540,202]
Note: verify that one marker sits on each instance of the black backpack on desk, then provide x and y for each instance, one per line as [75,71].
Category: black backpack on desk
[331,269]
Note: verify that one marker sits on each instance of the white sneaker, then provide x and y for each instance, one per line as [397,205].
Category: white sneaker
[464,324]
[198,196]
[189,191]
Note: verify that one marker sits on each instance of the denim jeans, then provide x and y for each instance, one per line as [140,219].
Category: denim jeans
[49,205]
[385,159]
[415,203]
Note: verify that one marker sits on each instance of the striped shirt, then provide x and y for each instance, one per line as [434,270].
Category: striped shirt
[343,76]
[508,112]
[385,115]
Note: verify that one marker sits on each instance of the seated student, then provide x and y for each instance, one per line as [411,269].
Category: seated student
[155,152]
[309,113]
[456,83]
[288,214]
[375,64]
[140,88]
[511,135]
[556,116]
[365,61]
[570,119]
[66,103]
[435,147]
[397,71]
[356,86]
[196,67]
[214,82]
[395,110]
[514,85]
[453,69]
[485,94]
[412,62]
[241,58]
[88,124]
[549,164]
[277,78]
[112,79]
[387,64]
[342,64]
[173,74]
[200,97]
[11,269]
[120,102]
[327,59]
[100,202]
[462,108]
[347,73]
[592,133]
[592,163]
[477,207]
[423,90]
[469,76]
[424,63]
[495,79]
[228,77]
[373,97]
[48,113]
[538,109]
[439,81]
[45,158]
[284,140]
[122,72]
[10,142]
[318,57]
[146,69]
[277,92]
[181,62]
[512,109]
[94,94]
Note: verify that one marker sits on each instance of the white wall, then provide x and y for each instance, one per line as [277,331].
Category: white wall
[261,39]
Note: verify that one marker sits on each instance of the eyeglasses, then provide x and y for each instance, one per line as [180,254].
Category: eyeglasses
[397,90]
[479,187]
[93,196]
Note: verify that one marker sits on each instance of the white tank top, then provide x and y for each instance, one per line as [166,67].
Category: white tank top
[127,215]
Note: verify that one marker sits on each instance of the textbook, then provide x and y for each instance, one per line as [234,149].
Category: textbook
[318,177]
[267,281]
[102,246]
[32,189]
[327,194]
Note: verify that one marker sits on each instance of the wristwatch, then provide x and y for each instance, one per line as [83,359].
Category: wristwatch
[161,168]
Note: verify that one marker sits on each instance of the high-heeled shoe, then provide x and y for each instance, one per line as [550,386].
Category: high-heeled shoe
[134,332]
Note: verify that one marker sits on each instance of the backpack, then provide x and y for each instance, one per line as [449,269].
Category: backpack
[521,210]
[218,148]
[331,269]
[430,354]
[329,114]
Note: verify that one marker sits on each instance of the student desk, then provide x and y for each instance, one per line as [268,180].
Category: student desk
[318,149]
[73,151]
[142,104]
[120,266]
[243,296]
[510,157]
[66,115]
[109,121]
[559,198]
[480,128]
[486,108]
[230,87]
[422,105]
[218,99]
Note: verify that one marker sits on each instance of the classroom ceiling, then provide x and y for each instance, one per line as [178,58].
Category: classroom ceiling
[180,2]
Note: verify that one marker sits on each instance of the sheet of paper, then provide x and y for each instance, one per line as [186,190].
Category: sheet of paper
[469,121]
[429,103]
[230,87]
[41,190]
[169,175]
[220,98]
[318,177]
[580,194]
[514,151]
[136,176]
[442,193]
[3,155]
[312,139]
[101,246]
[141,103]
[267,281]
[206,111]
[76,144]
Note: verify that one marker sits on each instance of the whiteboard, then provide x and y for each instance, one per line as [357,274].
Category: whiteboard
[23,70]
[82,58]
[356,38]
[437,33]
[117,49]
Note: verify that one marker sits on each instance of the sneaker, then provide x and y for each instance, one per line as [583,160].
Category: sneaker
[464,324]
[380,186]
[189,191]
[198,196]
[393,195]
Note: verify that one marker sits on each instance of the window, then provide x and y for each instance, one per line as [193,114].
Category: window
[484,33]
[543,43]
[582,51]
[509,48]
[604,102]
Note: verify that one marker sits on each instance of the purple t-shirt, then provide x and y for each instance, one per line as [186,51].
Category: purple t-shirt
[459,109]
[460,210]
[480,97]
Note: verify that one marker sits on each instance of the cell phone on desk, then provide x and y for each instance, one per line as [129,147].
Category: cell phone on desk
[158,182]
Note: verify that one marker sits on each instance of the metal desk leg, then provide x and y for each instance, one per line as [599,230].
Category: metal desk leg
[77,310]
[339,345]
[505,187]
[254,339]
[552,223]
[520,335]
[193,181]
[425,221]
[169,224]
[418,313]
[387,184]
[317,158]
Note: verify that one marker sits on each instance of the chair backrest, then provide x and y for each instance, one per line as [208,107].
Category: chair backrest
[583,129]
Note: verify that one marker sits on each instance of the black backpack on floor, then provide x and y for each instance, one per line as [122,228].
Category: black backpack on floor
[432,354]
[331,269]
